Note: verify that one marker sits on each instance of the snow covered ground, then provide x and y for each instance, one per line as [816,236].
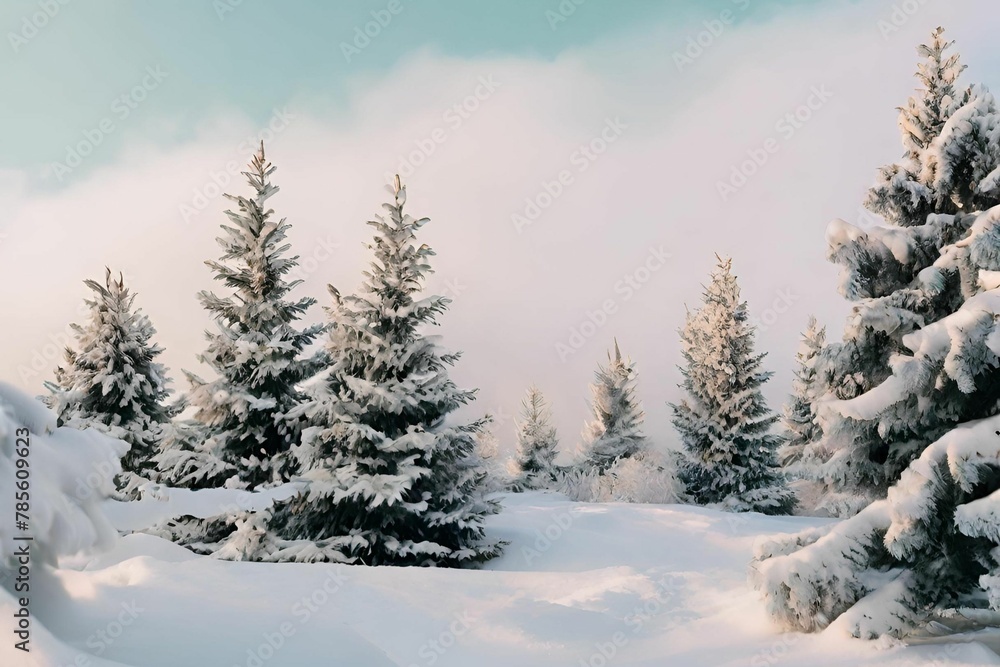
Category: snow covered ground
[579,585]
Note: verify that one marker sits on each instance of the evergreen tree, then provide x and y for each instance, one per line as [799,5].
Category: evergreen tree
[616,430]
[930,550]
[536,444]
[898,275]
[800,417]
[111,379]
[391,479]
[256,350]
[725,423]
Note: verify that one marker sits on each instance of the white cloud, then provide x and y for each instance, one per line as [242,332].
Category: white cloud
[519,294]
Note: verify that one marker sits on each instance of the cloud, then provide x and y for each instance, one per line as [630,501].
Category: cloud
[619,151]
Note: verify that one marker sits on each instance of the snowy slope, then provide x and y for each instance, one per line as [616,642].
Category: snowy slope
[644,585]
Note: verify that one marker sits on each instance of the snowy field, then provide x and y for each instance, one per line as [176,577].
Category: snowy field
[580,585]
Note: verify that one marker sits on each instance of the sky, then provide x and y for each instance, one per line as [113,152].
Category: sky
[582,163]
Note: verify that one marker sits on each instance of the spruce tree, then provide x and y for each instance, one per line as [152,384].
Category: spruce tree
[725,424]
[616,430]
[111,380]
[393,478]
[256,350]
[800,418]
[930,550]
[894,273]
[536,444]
[926,548]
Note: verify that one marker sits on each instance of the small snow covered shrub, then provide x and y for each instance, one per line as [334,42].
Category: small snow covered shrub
[617,428]
[649,477]
[534,467]
[498,472]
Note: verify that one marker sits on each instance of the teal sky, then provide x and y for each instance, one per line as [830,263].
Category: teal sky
[253,55]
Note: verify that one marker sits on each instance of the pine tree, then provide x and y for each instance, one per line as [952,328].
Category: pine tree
[895,275]
[616,430]
[256,350]
[800,417]
[927,546]
[392,480]
[536,444]
[930,550]
[111,379]
[725,423]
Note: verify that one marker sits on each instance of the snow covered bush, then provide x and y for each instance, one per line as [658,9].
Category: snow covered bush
[111,381]
[724,423]
[498,471]
[905,275]
[392,479]
[534,464]
[648,477]
[616,430]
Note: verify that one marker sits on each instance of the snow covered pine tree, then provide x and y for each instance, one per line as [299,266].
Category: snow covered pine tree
[724,423]
[930,550]
[390,480]
[536,445]
[243,415]
[243,428]
[800,418]
[616,431]
[888,271]
[111,381]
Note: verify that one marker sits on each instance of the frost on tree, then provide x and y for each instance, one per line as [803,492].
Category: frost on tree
[616,430]
[800,417]
[536,444]
[256,350]
[724,423]
[929,551]
[111,379]
[392,478]
[903,276]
